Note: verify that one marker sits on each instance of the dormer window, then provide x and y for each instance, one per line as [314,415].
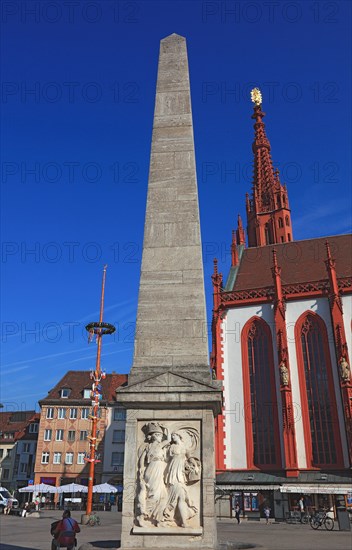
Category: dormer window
[65,392]
[86,393]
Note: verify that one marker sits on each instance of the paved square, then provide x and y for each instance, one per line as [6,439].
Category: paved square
[34,534]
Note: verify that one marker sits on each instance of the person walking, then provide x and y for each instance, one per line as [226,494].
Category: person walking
[267,514]
[24,509]
[301,507]
[237,512]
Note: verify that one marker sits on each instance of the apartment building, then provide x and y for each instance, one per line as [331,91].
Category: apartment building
[18,443]
[64,430]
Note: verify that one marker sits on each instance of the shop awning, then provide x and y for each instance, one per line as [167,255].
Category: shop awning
[329,489]
[248,488]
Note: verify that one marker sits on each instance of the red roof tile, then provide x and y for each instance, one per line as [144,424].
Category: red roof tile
[16,422]
[300,262]
[77,381]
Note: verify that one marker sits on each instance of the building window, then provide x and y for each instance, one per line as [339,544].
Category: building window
[118,436]
[117,459]
[83,434]
[80,458]
[23,468]
[281,223]
[69,458]
[45,457]
[8,452]
[59,435]
[61,413]
[319,411]
[289,237]
[86,393]
[85,413]
[57,458]
[50,413]
[26,447]
[65,392]
[268,234]
[9,435]
[261,421]
[250,502]
[33,428]
[47,434]
[120,414]
[1,453]
[287,221]
[5,473]
[73,413]
[71,435]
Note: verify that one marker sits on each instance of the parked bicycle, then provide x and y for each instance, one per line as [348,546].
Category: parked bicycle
[321,518]
[94,519]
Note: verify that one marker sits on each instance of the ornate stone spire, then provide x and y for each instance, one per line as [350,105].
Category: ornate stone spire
[268,212]
[171,331]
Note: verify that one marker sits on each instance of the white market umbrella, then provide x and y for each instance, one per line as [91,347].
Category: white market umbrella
[72,488]
[104,488]
[38,488]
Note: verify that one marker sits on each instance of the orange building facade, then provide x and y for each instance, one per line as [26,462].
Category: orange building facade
[65,426]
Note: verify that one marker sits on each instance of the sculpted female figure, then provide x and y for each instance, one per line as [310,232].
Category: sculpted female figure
[152,493]
[179,508]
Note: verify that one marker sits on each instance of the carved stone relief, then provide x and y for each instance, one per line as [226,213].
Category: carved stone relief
[168,475]
[284,375]
[345,371]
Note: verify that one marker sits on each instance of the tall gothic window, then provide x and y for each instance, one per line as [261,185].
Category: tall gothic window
[317,393]
[268,234]
[263,442]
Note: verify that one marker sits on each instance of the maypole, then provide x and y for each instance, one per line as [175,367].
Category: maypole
[98,330]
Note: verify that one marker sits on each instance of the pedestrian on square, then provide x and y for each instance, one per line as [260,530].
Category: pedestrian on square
[267,514]
[301,507]
[64,532]
[24,509]
[8,506]
[237,512]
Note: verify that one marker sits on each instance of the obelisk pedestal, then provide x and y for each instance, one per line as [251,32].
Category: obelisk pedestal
[171,400]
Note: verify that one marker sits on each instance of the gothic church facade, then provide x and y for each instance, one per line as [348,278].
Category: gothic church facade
[281,332]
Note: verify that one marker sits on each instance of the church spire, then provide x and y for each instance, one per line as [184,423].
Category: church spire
[268,212]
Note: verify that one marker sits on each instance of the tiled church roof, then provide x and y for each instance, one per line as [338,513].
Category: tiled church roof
[300,262]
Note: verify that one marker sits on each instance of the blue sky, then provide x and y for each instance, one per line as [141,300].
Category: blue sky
[77,110]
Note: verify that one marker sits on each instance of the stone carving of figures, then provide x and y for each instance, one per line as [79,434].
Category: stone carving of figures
[284,375]
[182,470]
[345,371]
[152,493]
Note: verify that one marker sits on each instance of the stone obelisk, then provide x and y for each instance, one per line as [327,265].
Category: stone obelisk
[171,400]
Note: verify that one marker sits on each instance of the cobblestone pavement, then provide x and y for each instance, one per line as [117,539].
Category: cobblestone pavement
[18,533]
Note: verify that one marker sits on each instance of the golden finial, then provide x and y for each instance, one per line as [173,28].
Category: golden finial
[256,96]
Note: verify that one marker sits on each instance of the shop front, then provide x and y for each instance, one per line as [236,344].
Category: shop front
[328,497]
[252,499]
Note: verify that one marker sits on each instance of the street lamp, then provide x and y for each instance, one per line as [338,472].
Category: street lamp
[98,330]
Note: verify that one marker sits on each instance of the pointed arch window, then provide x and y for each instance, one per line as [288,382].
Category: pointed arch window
[262,432]
[287,221]
[281,223]
[268,234]
[321,428]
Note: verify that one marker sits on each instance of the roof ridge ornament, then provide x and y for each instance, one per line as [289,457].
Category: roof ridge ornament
[256,96]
